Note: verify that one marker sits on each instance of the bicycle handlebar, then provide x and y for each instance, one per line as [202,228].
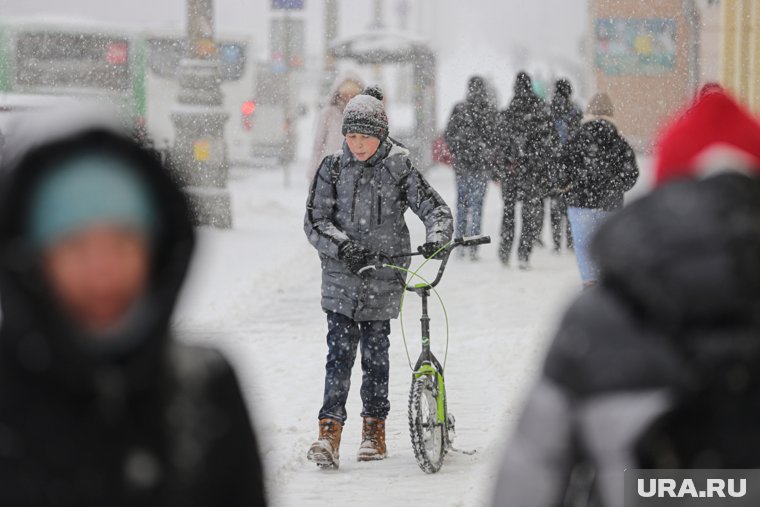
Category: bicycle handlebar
[383,260]
[473,241]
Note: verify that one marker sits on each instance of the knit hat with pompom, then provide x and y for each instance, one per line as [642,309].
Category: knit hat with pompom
[365,114]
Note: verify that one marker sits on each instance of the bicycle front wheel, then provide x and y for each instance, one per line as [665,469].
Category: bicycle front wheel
[425,426]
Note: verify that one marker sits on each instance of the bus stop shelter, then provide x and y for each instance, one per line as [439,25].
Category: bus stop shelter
[378,47]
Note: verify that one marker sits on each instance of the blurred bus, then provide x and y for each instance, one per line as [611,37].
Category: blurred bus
[135,72]
[73,58]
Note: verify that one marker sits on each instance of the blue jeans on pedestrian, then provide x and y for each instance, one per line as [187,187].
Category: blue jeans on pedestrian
[344,335]
[471,192]
[584,223]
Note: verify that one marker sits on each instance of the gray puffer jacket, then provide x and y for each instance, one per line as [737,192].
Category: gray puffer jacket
[365,202]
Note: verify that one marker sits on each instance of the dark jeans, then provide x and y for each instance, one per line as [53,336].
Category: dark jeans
[471,191]
[560,222]
[343,338]
[531,216]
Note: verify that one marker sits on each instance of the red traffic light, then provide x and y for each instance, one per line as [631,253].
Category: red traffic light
[248,108]
[117,53]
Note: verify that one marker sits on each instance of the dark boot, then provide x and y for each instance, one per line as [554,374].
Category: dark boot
[373,440]
[325,452]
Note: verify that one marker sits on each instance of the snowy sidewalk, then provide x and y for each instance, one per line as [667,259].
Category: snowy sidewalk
[255,294]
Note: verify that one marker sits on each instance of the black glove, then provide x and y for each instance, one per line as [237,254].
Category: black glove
[354,256]
[431,247]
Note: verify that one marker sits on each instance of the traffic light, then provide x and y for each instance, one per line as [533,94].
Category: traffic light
[247,110]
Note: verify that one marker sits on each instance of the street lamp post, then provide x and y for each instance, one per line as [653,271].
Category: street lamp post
[200,153]
[331,33]
[378,22]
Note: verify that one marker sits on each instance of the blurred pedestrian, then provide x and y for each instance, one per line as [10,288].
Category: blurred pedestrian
[98,404]
[527,143]
[329,138]
[355,211]
[470,136]
[566,119]
[598,167]
[658,366]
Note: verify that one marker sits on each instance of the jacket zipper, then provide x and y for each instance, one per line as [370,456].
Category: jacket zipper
[378,193]
[373,198]
[356,190]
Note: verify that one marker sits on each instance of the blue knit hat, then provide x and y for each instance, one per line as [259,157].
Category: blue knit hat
[85,191]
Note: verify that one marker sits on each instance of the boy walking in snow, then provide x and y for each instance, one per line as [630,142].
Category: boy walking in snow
[355,210]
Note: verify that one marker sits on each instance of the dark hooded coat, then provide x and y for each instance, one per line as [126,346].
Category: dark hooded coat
[597,167]
[566,115]
[471,128]
[144,421]
[658,367]
[527,142]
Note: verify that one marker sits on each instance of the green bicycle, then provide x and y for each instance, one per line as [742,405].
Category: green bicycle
[431,425]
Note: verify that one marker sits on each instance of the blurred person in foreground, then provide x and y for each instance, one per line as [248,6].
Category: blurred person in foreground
[596,168]
[567,118]
[98,405]
[329,137]
[657,367]
[469,135]
[527,146]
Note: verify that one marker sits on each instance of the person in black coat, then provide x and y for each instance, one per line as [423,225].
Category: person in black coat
[98,404]
[597,168]
[657,367]
[469,135]
[527,144]
[566,120]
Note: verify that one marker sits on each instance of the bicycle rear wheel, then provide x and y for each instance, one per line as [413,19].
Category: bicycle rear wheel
[425,426]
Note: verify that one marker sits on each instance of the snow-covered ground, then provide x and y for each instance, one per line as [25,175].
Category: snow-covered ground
[255,294]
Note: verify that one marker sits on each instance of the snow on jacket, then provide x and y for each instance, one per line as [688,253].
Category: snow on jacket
[528,143]
[365,202]
[469,133]
[641,366]
[329,137]
[597,167]
[151,423]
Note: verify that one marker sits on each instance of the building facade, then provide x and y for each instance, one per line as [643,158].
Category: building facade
[740,49]
[710,40]
[645,55]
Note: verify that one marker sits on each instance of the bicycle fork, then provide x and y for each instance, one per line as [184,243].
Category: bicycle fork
[428,364]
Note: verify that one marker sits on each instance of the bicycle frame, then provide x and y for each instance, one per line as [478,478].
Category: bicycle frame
[431,434]
[428,364]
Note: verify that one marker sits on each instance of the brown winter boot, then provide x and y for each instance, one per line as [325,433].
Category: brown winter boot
[325,452]
[373,440]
